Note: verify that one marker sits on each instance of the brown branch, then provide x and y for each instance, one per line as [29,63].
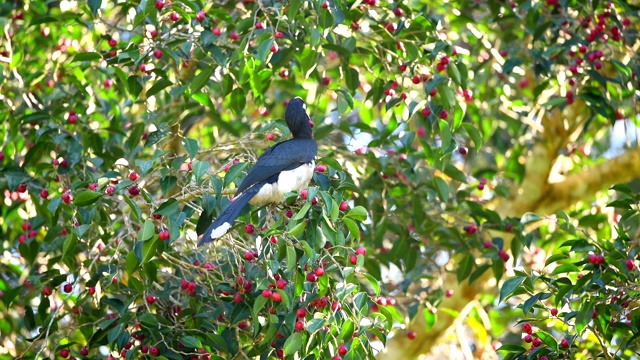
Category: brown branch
[583,185]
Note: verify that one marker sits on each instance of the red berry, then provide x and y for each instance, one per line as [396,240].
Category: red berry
[113,42]
[21,188]
[319,272]
[159,4]
[411,335]
[463,150]
[276,296]
[471,229]
[44,193]
[279,35]
[361,251]
[157,53]
[353,259]
[326,80]
[66,197]
[554,312]
[174,16]
[526,327]
[151,299]
[344,206]
[200,16]
[325,5]
[630,264]
[67,288]
[64,353]
[234,36]
[299,326]
[274,48]
[46,291]
[342,350]
[289,213]
[564,343]
[92,290]
[426,112]
[134,190]
[270,136]
[311,277]
[216,32]
[304,194]
[444,114]
[154,351]
[248,256]
[448,293]
[266,293]
[249,229]
[110,190]
[536,342]
[260,25]
[301,313]
[528,339]
[84,351]
[134,176]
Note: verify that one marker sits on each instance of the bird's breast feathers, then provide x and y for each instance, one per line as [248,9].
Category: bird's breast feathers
[289,180]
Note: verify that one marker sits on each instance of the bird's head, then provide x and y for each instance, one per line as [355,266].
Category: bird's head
[297,119]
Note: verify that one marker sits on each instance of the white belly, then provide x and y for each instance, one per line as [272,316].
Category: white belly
[291,180]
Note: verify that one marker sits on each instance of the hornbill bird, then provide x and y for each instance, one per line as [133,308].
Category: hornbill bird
[282,168]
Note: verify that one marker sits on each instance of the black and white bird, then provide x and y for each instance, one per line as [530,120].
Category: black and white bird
[287,166]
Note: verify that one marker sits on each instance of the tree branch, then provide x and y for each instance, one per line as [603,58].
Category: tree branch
[584,184]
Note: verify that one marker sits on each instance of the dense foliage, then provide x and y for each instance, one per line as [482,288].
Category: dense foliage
[462,148]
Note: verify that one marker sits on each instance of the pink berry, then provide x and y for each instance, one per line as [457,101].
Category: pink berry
[526,327]
[157,53]
[344,206]
[266,293]
[411,335]
[276,296]
[216,32]
[630,264]
[564,343]
[200,16]
[320,168]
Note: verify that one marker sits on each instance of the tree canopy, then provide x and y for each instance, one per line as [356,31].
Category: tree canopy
[475,196]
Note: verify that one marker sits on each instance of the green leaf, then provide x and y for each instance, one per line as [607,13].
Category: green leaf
[86,198]
[445,133]
[474,134]
[358,213]
[168,207]
[132,263]
[149,249]
[158,86]
[291,258]
[293,343]
[86,56]
[529,217]
[191,145]
[202,99]
[201,79]
[553,258]
[430,318]
[94,5]
[191,342]
[442,189]
[315,324]
[147,231]
[354,230]
[237,100]
[509,286]
[464,270]
[233,173]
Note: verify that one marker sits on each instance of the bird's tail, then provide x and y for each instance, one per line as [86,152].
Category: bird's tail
[223,223]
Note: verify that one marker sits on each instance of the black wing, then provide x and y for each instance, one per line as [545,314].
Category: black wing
[283,156]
